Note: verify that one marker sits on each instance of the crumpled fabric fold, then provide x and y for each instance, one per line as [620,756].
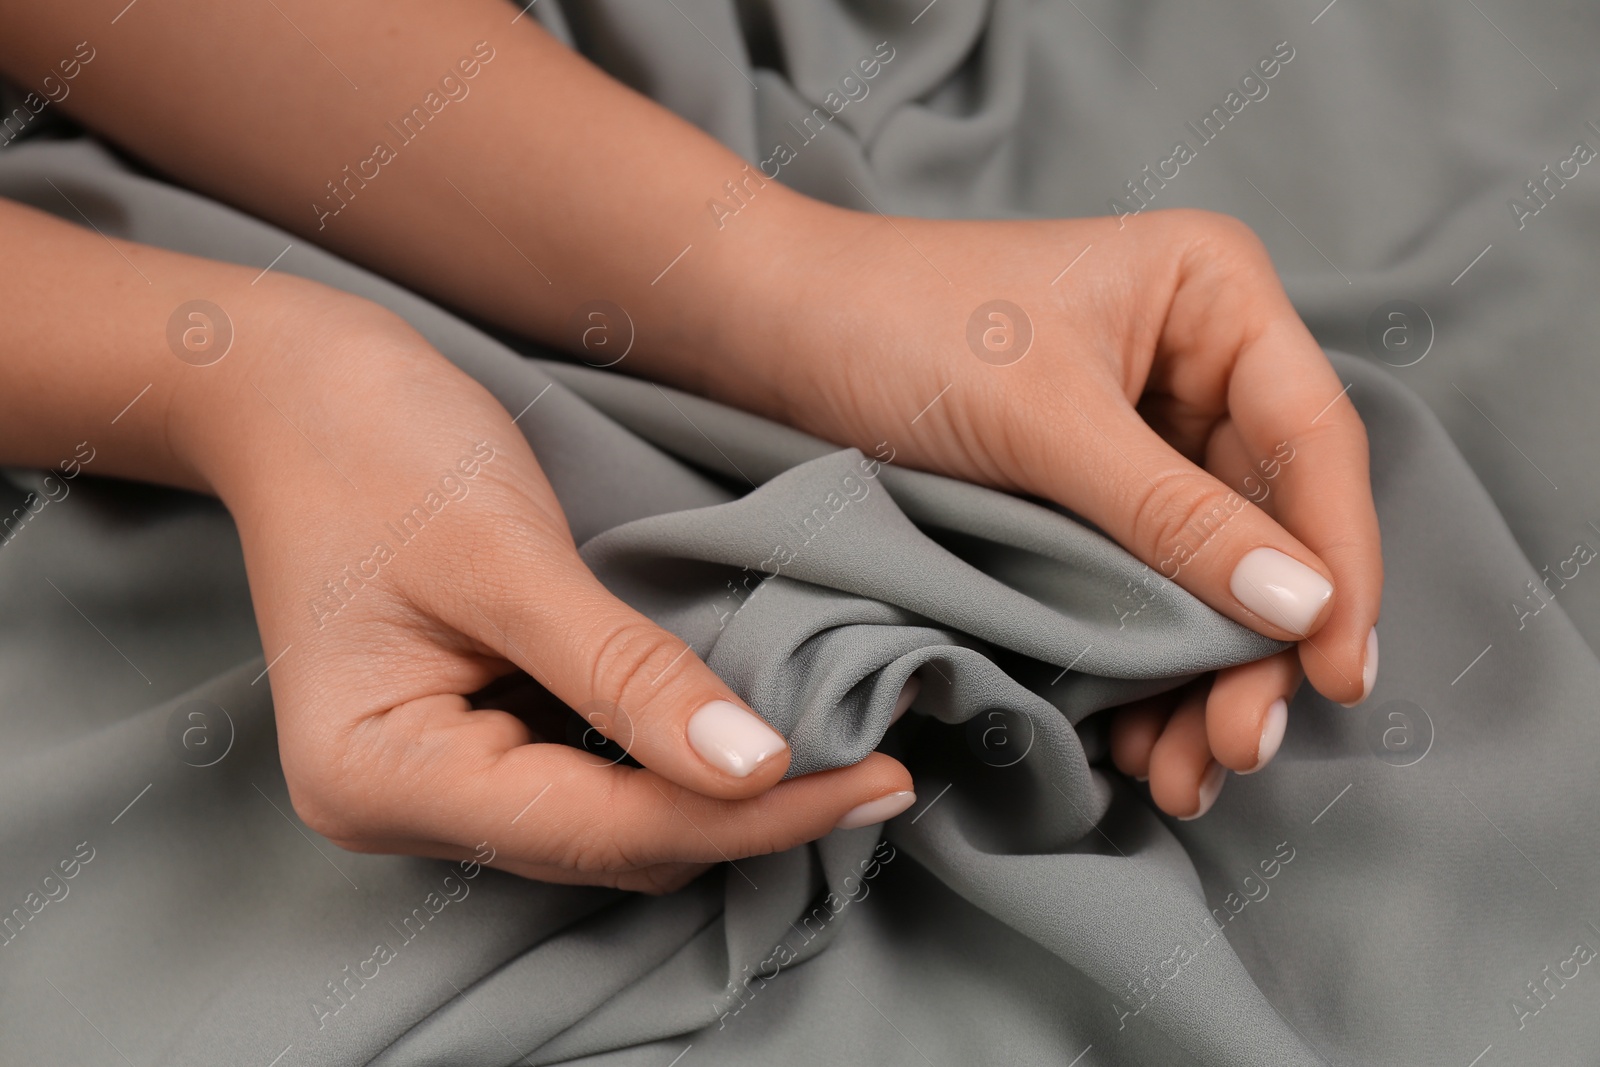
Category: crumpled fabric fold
[1350,903]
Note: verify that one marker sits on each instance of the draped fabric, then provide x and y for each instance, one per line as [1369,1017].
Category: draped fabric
[1410,882]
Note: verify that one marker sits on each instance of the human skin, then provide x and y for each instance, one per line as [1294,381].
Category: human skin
[1165,367]
[328,419]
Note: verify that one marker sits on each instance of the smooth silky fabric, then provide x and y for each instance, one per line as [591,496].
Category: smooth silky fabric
[1360,900]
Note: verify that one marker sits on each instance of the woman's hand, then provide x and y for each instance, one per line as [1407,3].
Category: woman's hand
[1150,375]
[1165,368]
[404,549]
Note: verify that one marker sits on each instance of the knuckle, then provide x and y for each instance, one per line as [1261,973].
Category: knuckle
[1225,230]
[763,833]
[1181,511]
[1339,429]
[326,786]
[659,880]
[596,842]
[1211,235]
[594,853]
[768,843]
[327,816]
[633,658]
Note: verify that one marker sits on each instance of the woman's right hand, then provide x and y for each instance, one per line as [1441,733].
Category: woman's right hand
[404,550]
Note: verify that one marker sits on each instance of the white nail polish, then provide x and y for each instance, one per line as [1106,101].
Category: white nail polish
[875,811]
[731,739]
[1280,589]
[1271,734]
[1369,668]
[1210,786]
[908,693]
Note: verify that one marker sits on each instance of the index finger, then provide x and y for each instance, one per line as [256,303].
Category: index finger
[1324,495]
[1285,432]
[1290,408]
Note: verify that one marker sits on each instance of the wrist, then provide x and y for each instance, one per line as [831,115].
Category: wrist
[773,276]
[304,364]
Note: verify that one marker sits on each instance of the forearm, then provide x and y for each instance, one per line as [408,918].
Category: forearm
[163,367]
[84,353]
[536,185]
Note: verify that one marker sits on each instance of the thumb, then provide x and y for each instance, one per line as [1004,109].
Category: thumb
[638,684]
[1192,528]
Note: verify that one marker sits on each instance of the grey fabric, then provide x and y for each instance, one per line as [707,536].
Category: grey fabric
[1360,900]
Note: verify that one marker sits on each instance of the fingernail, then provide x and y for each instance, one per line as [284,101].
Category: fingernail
[1369,668]
[1280,589]
[908,693]
[1141,777]
[1271,734]
[1210,786]
[875,811]
[731,739]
